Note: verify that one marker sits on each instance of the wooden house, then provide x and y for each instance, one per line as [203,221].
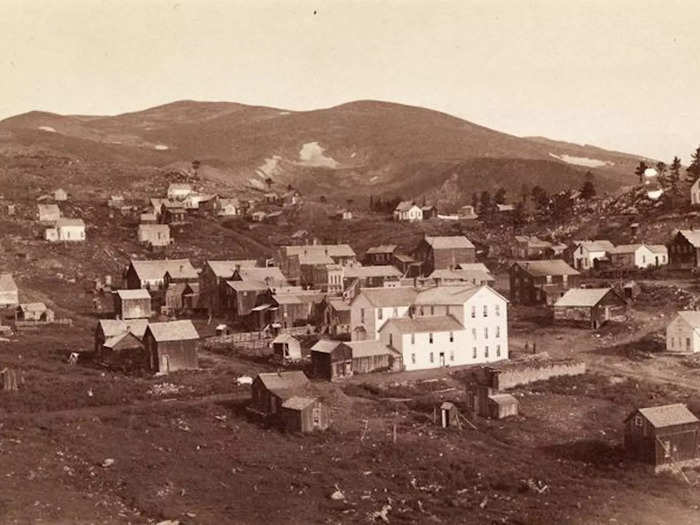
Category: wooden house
[154,235]
[271,389]
[336,317]
[541,282]
[304,414]
[171,346]
[631,290]
[382,254]
[60,195]
[486,401]
[286,348]
[38,312]
[150,274]
[374,356]
[9,293]
[108,328]
[449,415]
[529,247]
[179,190]
[66,230]
[684,250]
[212,281]
[241,297]
[663,436]
[48,213]
[375,276]
[123,351]
[437,253]
[429,212]
[292,257]
[590,254]
[589,306]
[331,360]
[683,332]
[173,213]
[132,304]
[408,211]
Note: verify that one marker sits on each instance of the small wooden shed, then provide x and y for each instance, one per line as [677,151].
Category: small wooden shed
[589,306]
[331,360]
[286,348]
[449,415]
[124,352]
[171,346]
[132,304]
[304,414]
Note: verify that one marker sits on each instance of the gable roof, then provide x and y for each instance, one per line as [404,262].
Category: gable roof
[153,228]
[626,248]
[298,402]
[64,222]
[284,382]
[285,338]
[399,296]
[153,270]
[599,245]
[363,272]
[226,268]
[692,317]
[667,415]
[261,274]
[140,293]
[7,283]
[123,341]
[546,267]
[326,346]
[448,242]
[657,248]
[446,295]
[338,304]
[315,259]
[182,330]
[247,286]
[49,209]
[437,323]
[33,307]
[474,267]
[692,236]
[382,248]
[405,206]
[333,250]
[473,276]
[369,348]
[112,327]
[179,186]
[587,297]
[183,271]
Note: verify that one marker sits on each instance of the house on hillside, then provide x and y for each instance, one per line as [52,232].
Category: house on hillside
[541,281]
[382,254]
[173,213]
[154,235]
[467,212]
[292,257]
[60,195]
[109,328]
[271,276]
[407,265]
[450,326]
[429,212]
[439,253]
[695,193]
[327,277]
[683,332]
[529,247]
[171,346]
[132,304]
[38,312]
[229,208]
[374,356]
[408,211]
[66,230]
[663,436]
[589,306]
[48,213]
[213,278]
[376,276]
[150,274]
[241,298]
[9,293]
[123,351]
[342,215]
[684,249]
[588,254]
[331,360]
[179,191]
[148,218]
[116,202]
[638,256]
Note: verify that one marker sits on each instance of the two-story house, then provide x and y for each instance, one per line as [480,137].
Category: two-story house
[541,281]
[444,252]
[372,307]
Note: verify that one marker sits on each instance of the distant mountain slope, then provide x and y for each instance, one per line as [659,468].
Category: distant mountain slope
[359,148]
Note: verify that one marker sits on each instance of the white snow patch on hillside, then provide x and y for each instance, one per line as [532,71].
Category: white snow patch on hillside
[161,147]
[257,183]
[374,179]
[312,154]
[582,161]
[47,128]
[284,113]
[269,168]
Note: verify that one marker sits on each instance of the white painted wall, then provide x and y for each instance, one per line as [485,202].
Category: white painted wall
[681,337]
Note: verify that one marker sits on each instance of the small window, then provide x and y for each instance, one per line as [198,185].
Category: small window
[486,352]
[396,312]
[452,337]
[474,353]
[413,359]
[413,339]
[474,333]
[638,422]
[447,310]
[498,310]
[498,350]
[432,310]
[473,312]
[431,357]
[362,315]
[486,332]
[498,331]
[430,338]
[486,310]
[380,313]
[391,339]
[452,355]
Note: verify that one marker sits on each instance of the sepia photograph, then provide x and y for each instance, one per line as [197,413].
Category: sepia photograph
[350,262]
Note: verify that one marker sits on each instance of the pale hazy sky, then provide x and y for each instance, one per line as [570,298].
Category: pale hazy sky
[620,74]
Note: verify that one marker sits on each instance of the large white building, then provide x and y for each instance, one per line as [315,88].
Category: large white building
[434,327]
[683,332]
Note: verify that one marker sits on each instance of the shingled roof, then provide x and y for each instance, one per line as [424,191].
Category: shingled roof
[449,242]
[140,293]
[112,327]
[226,268]
[586,297]
[182,330]
[379,297]
[438,323]
[547,267]
[667,415]
[285,384]
[153,270]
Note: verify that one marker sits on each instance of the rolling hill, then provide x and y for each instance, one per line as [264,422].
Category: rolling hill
[359,148]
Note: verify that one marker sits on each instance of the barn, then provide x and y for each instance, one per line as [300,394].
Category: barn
[663,436]
[589,306]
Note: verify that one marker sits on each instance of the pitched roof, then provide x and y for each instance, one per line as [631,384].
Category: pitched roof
[49,209]
[382,248]
[183,271]
[438,323]
[112,327]
[547,267]
[124,340]
[361,272]
[333,250]
[284,382]
[285,338]
[261,274]
[446,294]
[226,268]
[140,293]
[692,317]
[369,348]
[33,307]
[247,286]
[474,266]
[405,205]
[182,330]
[153,228]
[338,304]
[179,186]
[448,242]
[587,297]
[7,283]
[668,415]
[626,248]
[326,345]
[298,402]
[599,245]
[693,237]
[474,276]
[657,248]
[286,298]
[315,259]
[399,296]
[152,270]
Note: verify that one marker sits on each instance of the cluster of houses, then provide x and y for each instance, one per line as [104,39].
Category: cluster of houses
[58,228]
[36,312]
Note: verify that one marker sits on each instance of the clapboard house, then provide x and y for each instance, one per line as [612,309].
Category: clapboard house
[541,281]
[663,436]
[132,304]
[684,250]
[213,281]
[591,307]
[171,346]
[438,253]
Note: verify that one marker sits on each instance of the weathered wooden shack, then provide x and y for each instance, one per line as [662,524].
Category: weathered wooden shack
[589,306]
[123,352]
[171,346]
[304,414]
[286,348]
[271,389]
[38,312]
[373,356]
[331,360]
[132,304]
[663,436]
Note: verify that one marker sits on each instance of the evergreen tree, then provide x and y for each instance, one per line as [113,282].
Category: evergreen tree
[500,197]
[587,190]
[485,208]
[693,171]
[675,173]
[519,214]
[475,201]
[639,171]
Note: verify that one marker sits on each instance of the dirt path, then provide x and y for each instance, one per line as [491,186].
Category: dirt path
[109,410]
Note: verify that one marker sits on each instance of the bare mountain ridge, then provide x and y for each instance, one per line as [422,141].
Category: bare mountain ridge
[358,148]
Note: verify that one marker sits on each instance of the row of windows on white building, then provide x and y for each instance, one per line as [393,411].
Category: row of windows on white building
[475,351]
[421,311]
